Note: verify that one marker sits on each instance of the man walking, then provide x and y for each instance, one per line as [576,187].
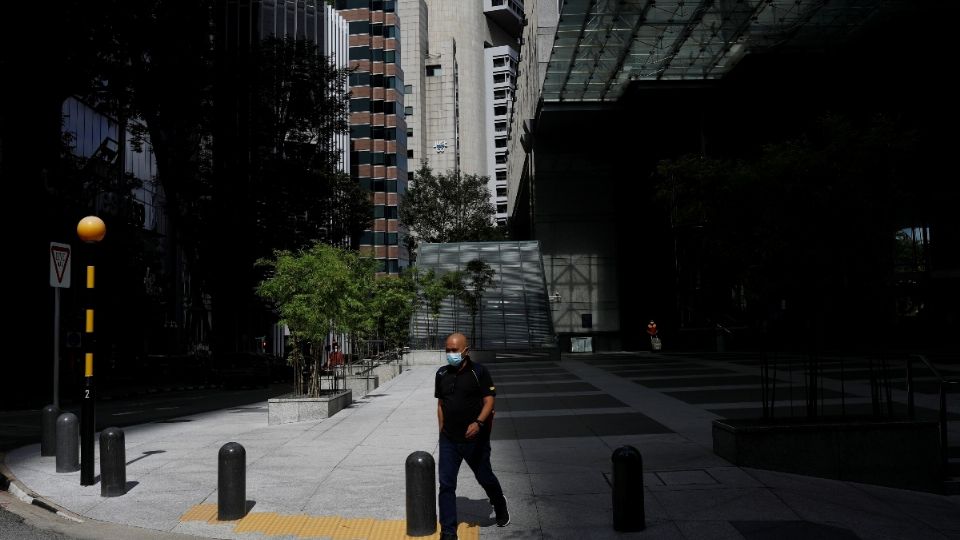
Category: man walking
[465,395]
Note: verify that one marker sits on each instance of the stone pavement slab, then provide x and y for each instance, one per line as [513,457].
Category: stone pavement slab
[553,439]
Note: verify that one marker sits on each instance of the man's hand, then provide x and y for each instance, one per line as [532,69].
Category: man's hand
[472,430]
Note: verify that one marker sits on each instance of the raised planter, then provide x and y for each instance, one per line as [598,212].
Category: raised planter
[360,385]
[288,409]
[897,453]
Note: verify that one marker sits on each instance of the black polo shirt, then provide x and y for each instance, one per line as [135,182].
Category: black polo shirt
[461,393]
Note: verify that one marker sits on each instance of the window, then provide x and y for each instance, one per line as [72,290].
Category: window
[409,154]
[359,131]
[501,175]
[366,184]
[391,186]
[501,158]
[359,53]
[389,107]
[378,158]
[407,111]
[501,192]
[393,266]
[378,238]
[499,94]
[359,105]
[500,126]
[376,106]
[390,32]
[366,237]
[376,29]
[378,185]
[409,132]
[376,132]
[434,71]
[376,55]
[391,212]
[359,79]
[390,56]
[409,176]
[359,27]
[499,62]
[500,143]
[390,134]
[389,5]
[500,110]
[586,320]
[408,89]
[376,80]
[498,77]
[378,211]
[392,239]
[352,4]
[391,160]
[502,208]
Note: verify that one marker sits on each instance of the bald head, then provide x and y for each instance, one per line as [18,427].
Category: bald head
[457,342]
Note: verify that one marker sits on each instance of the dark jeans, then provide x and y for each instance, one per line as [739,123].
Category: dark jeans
[477,455]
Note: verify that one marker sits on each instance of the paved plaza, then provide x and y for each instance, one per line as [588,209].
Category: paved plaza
[556,426]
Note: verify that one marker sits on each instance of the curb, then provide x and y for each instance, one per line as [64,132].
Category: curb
[10,484]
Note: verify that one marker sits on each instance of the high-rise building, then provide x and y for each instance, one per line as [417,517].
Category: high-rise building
[460,85]
[378,131]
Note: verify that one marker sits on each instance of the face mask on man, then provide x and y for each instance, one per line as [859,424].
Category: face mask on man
[454,358]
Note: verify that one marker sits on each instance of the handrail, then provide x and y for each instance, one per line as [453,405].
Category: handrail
[942,386]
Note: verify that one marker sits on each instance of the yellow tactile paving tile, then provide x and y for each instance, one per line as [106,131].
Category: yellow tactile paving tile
[201,512]
[322,527]
[327,527]
[255,522]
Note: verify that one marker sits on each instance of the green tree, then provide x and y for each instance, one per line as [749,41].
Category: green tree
[299,195]
[811,221]
[448,207]
[479,276]
[312,290]
[394,304]
[433,290]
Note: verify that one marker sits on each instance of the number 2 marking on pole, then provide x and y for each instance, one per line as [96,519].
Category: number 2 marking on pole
[86,394]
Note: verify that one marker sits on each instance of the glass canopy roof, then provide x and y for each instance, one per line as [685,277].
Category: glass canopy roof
[602,45]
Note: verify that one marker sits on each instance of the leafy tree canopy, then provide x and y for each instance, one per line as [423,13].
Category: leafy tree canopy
[448,207]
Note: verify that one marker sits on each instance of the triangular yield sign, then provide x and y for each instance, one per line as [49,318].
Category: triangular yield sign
[60,257]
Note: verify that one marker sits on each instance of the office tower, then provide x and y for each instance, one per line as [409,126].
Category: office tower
[460,85]
[378,132]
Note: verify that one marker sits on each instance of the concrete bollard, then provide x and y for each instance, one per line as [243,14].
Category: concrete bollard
[421,495]
[628,512]
[113,463]
[68,443]
[231,482]
[48,430]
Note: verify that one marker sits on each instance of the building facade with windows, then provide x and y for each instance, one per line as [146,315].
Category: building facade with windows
[459,101]
[378,131]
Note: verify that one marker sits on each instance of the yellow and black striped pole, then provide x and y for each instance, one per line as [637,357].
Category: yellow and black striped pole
[91,230]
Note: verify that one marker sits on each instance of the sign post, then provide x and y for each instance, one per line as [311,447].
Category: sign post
[59,279]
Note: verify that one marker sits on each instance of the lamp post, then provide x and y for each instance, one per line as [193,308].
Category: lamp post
[91,230]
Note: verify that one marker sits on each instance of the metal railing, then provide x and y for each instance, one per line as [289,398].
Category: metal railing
[944,385]
[810,386]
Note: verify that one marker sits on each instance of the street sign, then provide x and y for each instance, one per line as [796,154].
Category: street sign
[59,265]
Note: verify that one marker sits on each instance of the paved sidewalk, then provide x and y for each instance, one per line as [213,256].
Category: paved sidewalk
[557,424]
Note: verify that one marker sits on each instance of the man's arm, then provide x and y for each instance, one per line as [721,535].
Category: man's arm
[440,415]
[473,429]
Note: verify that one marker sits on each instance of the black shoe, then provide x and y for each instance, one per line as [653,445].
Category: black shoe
[503,515]
[446,536]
